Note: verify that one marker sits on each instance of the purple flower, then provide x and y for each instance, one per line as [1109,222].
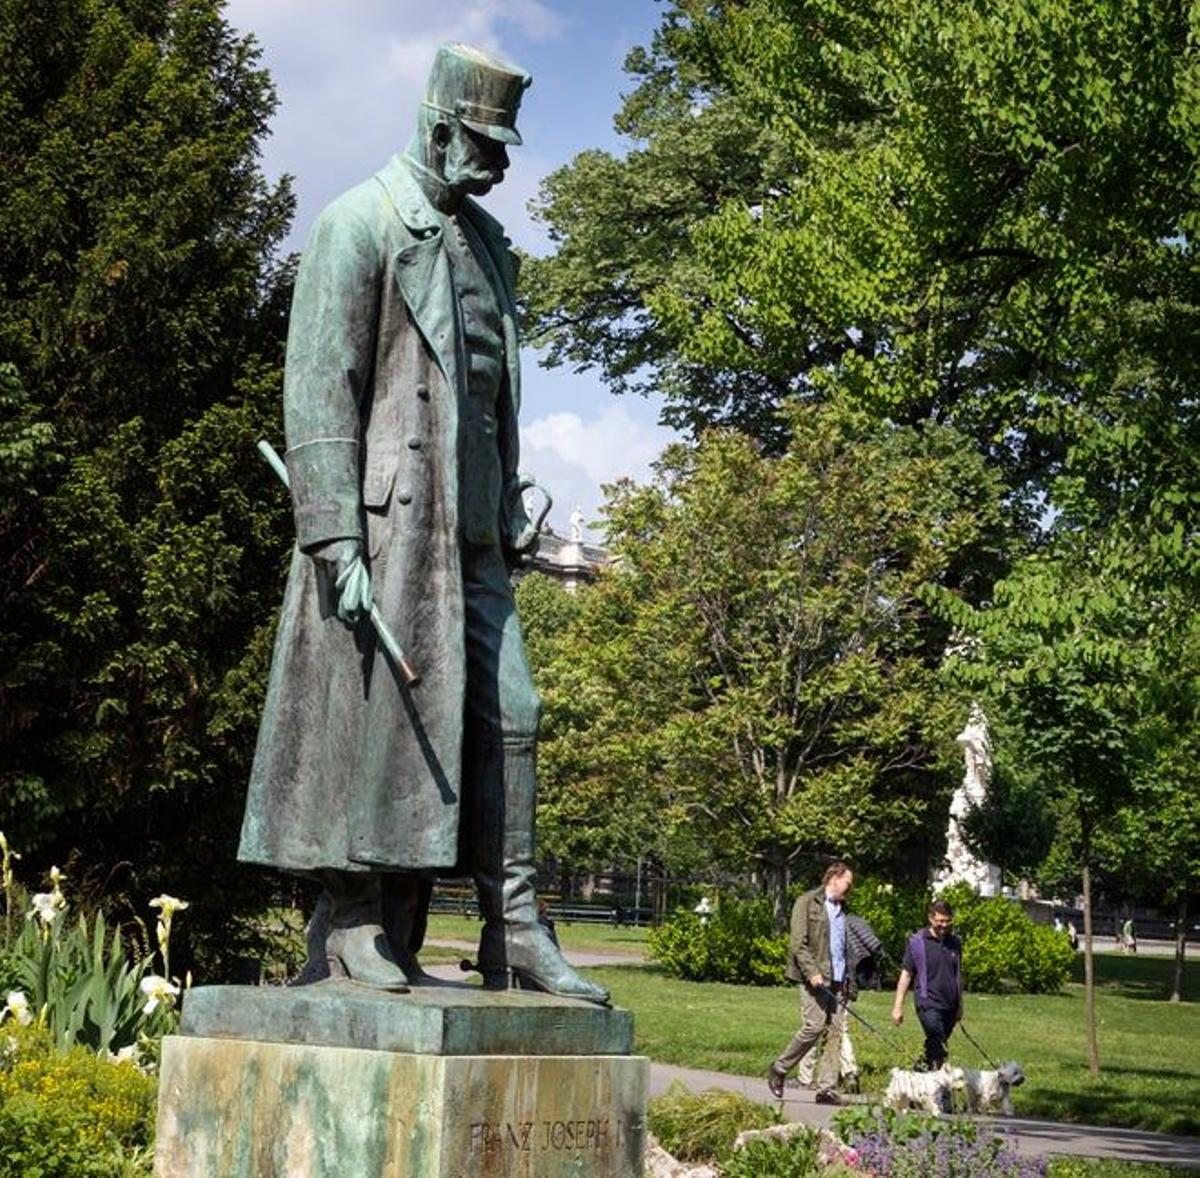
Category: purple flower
[945,1151]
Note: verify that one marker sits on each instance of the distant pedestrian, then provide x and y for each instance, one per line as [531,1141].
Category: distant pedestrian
[1129,937]
[933,957]
[1073,935]
[1058,924]
[703,909]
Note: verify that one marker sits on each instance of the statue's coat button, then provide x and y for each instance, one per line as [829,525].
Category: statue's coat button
[423,392]
[414,443]
[404,495]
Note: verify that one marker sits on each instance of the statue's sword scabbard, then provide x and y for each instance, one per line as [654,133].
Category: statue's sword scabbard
[386,637]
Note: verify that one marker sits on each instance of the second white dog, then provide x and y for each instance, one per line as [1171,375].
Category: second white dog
[991,1091]
[931,1091]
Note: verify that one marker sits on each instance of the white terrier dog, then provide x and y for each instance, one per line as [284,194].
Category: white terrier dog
[930,1091]
[991,1091]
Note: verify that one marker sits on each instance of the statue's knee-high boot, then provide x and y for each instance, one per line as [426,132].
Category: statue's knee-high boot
[355,944]
[512,939]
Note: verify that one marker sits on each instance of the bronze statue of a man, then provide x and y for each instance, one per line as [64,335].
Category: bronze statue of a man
[401,393]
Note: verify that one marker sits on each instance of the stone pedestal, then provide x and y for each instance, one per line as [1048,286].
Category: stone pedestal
[335,1081]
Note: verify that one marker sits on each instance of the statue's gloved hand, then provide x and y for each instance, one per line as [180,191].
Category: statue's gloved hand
[354,583]
[351,579]
[522,534]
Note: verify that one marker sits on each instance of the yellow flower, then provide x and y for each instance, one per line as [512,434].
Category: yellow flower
[169,905]
[7,858]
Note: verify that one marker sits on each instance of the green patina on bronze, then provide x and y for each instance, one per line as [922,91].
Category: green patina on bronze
[402,388]
[401,395]
[433,1020]
[352,770]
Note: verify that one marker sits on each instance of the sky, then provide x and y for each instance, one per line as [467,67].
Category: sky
[349,77]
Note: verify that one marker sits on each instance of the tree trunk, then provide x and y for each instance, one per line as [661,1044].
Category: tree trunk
[1089,975]
[1181,926]
[776,874]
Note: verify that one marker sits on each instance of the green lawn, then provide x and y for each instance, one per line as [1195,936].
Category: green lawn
[1093,1168]
[1149,1049]
[587,938]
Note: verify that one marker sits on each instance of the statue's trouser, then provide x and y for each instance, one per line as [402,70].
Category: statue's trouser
[500,788]
[405,914]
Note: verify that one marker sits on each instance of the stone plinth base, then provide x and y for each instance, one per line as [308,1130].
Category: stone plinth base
[430,1020]
[236,1108]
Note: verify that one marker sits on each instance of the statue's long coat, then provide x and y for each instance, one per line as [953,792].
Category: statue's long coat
[352,769]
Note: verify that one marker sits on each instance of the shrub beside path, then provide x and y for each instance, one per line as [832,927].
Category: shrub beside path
[1032,1136]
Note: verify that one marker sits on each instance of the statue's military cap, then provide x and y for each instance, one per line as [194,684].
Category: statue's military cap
[481,89]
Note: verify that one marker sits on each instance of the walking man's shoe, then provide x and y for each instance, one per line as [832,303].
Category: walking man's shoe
[827,1096]
[775,1079]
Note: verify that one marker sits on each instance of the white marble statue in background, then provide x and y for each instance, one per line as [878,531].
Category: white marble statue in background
[960,865]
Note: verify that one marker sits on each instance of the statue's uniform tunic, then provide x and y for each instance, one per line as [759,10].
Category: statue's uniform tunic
[400,401]
[500,695]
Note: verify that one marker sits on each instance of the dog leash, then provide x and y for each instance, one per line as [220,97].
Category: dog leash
[893,1044]
[971,1039]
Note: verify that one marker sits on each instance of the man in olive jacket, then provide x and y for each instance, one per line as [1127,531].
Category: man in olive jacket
[401,393]
[819,961]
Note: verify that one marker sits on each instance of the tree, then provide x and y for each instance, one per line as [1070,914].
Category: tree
[1014,826]
[142,317]
[1061,652]
[547,609]
[964,210]
[981,214]
[1153,842]
[758,670]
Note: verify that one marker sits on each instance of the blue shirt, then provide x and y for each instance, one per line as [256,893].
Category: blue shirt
[837,938]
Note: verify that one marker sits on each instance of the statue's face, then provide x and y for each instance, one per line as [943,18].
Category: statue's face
[472,162]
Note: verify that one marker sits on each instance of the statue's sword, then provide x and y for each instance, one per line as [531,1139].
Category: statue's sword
[386,637]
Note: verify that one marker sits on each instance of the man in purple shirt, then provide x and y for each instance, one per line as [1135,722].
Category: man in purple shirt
[933,957]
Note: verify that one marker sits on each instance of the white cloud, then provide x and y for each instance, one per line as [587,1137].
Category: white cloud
[572,456]
[350,77]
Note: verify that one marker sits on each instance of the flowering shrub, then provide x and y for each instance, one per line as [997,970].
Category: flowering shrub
[908,1145]
[70,1113]
[945,1155]
[866,1142]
